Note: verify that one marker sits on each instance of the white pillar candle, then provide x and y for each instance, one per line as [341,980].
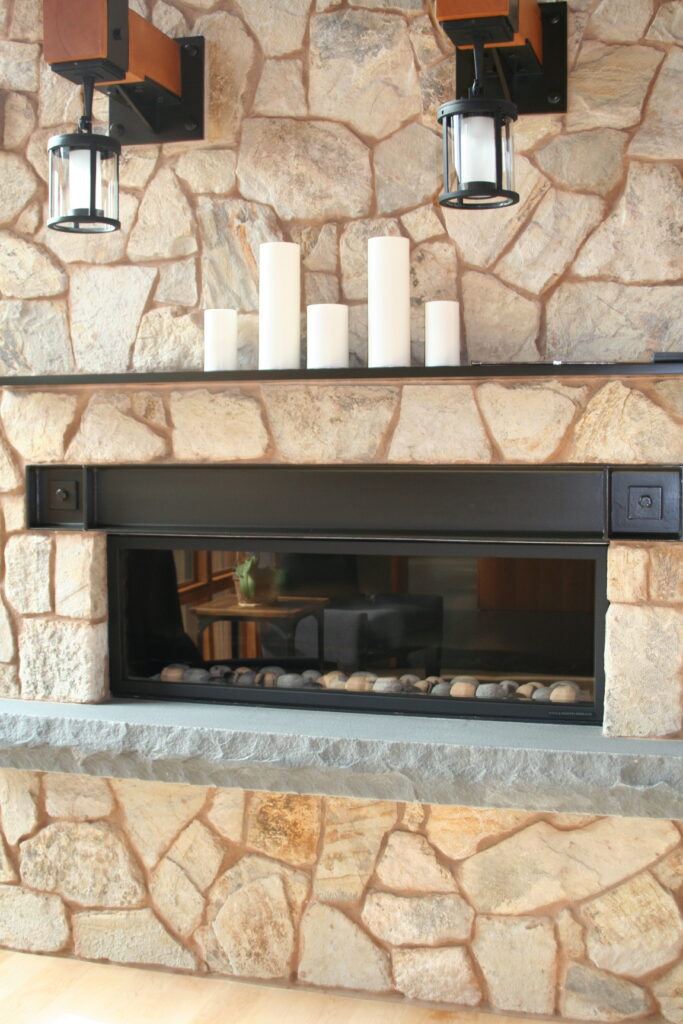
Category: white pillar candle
[388,302]
[79,179]
[442,334]
[327,330]
[220,339]
[279,345]
[478,144]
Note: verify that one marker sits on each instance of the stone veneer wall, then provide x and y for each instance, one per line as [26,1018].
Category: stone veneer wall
[506,911]
[53,630]
[322,130]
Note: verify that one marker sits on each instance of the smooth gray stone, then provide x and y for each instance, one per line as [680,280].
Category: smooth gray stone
[290,681]
[545,767]
[565,682]
[220,671]
[409,679]
[388,686]
[311,676]
[196,675]
[244,679]
[508,687]
[543,693]
[489,691]
[440,690]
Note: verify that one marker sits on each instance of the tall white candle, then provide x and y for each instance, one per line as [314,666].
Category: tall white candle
[279,346]
[442,333]
[79,179]
[478,150]
[327,329]
[388,302]
[220,339]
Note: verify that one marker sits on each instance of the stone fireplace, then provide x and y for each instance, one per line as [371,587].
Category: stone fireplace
[345,853]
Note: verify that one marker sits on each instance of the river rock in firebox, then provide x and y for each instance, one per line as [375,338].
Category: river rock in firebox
[489,691]
[269,676]
[564,694]
[173,673]
[409,679]
[310,675]
[246,678]
[290,681]
[196,675]
[387,684]
[220,671]
[508,687]
[565,682]
[440,690]
[527,690]
[465,679]
[462,688]
[542,693]
[359,683]
[333,680]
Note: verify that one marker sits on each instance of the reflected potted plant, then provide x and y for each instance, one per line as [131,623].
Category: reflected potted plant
[254,584]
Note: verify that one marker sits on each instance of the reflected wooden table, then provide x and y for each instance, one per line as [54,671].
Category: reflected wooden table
[286,611]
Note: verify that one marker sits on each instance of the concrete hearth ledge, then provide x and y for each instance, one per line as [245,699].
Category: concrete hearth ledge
[554,768]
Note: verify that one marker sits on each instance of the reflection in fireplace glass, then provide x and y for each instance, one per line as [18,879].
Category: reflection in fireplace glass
[512,629]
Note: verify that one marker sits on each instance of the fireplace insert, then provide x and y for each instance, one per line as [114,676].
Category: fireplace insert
[438,590]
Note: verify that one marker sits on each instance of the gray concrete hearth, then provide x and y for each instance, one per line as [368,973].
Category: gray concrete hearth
[552,768]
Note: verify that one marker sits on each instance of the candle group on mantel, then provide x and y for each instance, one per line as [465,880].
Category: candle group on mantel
[328,323]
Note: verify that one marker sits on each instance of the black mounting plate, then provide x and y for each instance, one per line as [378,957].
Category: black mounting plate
[144,113]
[533,89]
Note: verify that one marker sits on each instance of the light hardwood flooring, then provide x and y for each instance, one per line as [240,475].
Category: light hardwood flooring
[52,990]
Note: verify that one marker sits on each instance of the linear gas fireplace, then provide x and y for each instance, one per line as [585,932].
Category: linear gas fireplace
[438,591]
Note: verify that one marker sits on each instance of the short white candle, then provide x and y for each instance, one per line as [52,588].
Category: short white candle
[388,301]
[442,333]
[220,339]
[327,330]
[279,346]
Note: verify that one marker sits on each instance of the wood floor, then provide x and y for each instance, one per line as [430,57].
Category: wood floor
[50,990]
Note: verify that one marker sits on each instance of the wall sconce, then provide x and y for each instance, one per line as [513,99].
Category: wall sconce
[156,94]
[511,58]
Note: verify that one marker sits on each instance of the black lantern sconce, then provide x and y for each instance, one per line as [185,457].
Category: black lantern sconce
[155,87]
[511,58]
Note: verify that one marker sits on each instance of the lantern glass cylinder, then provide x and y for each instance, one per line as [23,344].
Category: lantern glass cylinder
[84,183]
[478,153]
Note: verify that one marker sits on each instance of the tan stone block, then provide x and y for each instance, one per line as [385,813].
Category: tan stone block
[353,252]
[168,340]
[8,645]
[136,165]
[28,572]
[230,55]
[35,423]
[7,872]
[622,425]
[413,816]
[668,24]
[670,394]
[409,863]
[281,91]
[155,813]
[69,858]
[20,120]
[232,232]
[609,84]
[500,324]
[63,660]
[106,304]
[439,423]
[35,340]
[9,681]
[634,929]
[277,154]
[27,21]
[26,271]
[425,41]
[669,991]
[659,136]
[108,433]
[32,922]
[422,223]
[319,245]
[362,71]
[208,170]
[19,66]
[643,663]
[285,826]
[627,573]
[128,937]
[320,288]
[354,830]
[417,920]
[336,953]
[670,871]
[540,865]
[13,511]
[165,225]
[458,831]
[436,976]
[148,406]
[543,251]
[649,209]
[329,424]
[620,20]
[81,576]
[570,934]
[178,283]
[221,427]
[594,995]
[198,853]
[226,814]
[175,898]
[666,573]
[79,797]
[527,423]
[253,868]
[407,168]
[433,269]
[255,930]
[18,803]
[589,161]
[20,184]
[517,957]
[10,477]
[286,35]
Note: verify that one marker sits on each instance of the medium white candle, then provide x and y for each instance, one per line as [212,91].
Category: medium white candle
[478,150]
[388,302]
[220,339]
[327,329]
[279,346]
[442,333]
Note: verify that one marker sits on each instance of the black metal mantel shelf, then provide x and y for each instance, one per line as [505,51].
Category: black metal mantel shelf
[407,373]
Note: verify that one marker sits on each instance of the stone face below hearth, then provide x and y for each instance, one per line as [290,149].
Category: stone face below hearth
[370,896]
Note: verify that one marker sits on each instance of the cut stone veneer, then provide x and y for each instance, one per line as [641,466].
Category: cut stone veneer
[53,600]
[594,933]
